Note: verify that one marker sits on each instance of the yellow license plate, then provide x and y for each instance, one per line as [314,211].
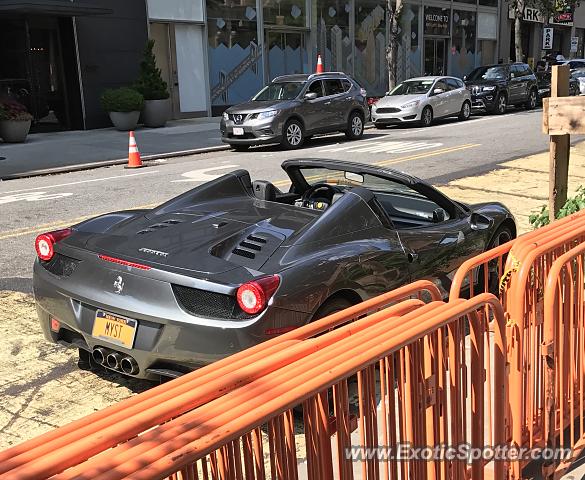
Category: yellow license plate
[114,329]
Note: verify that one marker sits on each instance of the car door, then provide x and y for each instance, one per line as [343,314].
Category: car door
[456,95]
[313,111]
[439,101]
[517,84]
[336,104]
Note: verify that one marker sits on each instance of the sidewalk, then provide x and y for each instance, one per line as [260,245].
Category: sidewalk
[521,184]
[65,151]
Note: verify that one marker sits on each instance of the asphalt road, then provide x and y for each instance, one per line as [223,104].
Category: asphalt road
[448,150]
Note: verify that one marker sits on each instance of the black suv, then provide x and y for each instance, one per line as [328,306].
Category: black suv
[494,87]
[294,107]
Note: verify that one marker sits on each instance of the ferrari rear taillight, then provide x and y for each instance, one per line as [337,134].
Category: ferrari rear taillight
[45,243]
[253,296]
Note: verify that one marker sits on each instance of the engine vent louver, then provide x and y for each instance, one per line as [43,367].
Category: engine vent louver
[248,247]
[158,226]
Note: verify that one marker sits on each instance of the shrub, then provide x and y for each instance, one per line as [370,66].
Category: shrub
[572,205]
[150,83]
[13,110]
[122,100]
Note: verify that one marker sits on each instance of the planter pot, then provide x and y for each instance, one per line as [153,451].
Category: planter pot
[156,113]
[13,131]
[124,121]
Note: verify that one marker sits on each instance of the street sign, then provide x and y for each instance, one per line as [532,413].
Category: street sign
[574,44]
[547,38]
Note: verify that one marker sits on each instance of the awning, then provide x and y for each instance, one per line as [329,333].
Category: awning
[68,8]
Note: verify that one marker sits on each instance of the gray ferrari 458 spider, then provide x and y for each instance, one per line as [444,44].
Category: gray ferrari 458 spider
[234,262]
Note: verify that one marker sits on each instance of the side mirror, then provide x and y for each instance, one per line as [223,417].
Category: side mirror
[512,75]
[439,215]
[464,77]
[438,91]
[480,222]
[310,96]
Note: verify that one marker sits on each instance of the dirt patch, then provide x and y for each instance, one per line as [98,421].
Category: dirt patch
[41,386]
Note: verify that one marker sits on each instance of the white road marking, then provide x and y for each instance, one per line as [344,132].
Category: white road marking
[32,197]
[202,175]
[377,146]
[149,172]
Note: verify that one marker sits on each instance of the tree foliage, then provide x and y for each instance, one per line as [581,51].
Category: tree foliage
[393,11]
[150,82]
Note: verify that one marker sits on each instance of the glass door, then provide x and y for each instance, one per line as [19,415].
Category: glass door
[286,52]
[436,56]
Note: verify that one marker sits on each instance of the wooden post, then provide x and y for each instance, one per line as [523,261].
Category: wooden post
[559,148]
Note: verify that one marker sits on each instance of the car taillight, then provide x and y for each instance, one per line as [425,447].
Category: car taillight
[45,243]
[253,296]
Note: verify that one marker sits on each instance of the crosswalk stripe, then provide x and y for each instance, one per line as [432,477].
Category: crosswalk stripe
[381,147]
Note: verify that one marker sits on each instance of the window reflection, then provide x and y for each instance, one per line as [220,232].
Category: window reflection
[370,43]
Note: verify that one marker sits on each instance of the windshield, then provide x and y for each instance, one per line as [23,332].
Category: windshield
[578,74]
[314,175]
[279,91]
[488,73]
[412,87]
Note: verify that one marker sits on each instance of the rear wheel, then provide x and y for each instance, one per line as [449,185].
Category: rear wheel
[532,100]
[426,118]
[331,306]
[292,135]
[355,126]
[465,112]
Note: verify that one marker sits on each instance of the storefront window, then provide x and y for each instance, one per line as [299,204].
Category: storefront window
[235,65]
[370,42]
[409,50]
[489,3]
[463,43]
[333,38]
[285,12]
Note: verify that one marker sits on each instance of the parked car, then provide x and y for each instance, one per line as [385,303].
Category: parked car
[422,100]
[232,262]
[575,63]
[494,87]
[579,76]
[294,107]
[544,83]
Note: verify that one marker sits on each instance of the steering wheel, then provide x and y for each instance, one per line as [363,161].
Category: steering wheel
[310,193]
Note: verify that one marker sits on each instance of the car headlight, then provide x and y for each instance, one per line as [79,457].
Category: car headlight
[489,89]
[414,103]
[226,116]
[268,114]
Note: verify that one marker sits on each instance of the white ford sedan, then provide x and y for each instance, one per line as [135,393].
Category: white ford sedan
[422,100]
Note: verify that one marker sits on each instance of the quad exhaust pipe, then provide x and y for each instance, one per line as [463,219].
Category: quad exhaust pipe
[99,355]
[115,360]
[129,365]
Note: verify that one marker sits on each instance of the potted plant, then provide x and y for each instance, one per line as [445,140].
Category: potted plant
[124,106]
[157,107]
[15,121]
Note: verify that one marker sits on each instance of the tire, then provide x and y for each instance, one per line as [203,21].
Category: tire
[501,104]
[355,126]
[465,112]
[240,148]
[292,135]
[426,117]
[502,235]
[532,100]
[331,306]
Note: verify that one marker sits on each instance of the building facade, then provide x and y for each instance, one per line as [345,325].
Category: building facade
[566,36]
[58,56]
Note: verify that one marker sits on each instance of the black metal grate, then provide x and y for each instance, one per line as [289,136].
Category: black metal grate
[61,265]
[209,304]
[387,110]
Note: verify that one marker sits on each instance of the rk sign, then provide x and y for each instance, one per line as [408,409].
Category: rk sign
[547,38]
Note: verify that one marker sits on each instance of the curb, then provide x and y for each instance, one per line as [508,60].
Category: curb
[122,161]
[110,163]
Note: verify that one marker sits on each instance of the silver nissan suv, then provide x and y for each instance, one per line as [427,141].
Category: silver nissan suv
[294,107]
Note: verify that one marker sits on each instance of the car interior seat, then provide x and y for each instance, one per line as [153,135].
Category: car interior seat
[264,190]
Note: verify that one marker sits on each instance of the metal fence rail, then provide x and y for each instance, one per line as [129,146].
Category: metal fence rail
[62,448]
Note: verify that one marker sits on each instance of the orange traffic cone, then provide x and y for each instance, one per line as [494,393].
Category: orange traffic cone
[319,65]
[133,154]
